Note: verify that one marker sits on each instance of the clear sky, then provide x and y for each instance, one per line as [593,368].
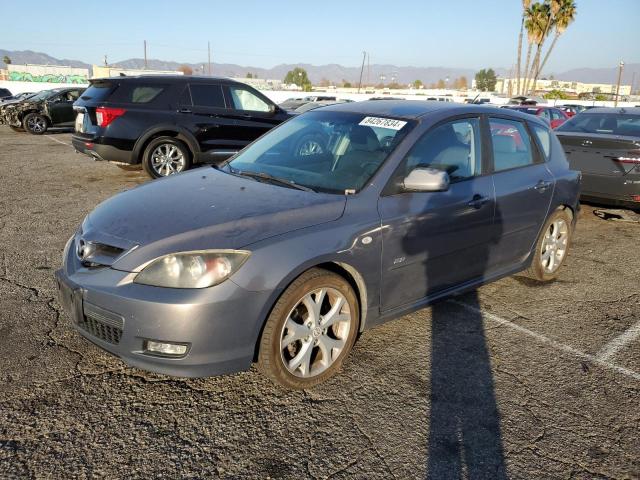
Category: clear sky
[449,33]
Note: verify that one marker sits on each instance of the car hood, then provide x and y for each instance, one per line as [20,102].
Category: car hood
[202,209]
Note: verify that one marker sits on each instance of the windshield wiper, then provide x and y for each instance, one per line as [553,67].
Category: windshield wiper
[270,179]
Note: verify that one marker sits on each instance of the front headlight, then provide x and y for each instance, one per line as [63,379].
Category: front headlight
[200,269]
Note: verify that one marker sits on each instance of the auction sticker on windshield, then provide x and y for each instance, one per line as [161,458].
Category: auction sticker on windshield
[381,122]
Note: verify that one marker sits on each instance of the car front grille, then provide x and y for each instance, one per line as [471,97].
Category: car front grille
[102,324]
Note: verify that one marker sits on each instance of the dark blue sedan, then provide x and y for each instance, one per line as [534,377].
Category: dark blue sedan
[336,221]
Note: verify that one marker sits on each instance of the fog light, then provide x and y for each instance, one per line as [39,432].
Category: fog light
[172,349]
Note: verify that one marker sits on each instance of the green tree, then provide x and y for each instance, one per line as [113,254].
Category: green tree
[6,60]
[299,77]
[249,75]
[441,84]
[556,95]
[486,80]
[346,84]
[417,84]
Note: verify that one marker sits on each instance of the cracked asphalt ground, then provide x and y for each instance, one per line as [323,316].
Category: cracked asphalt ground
[518,380]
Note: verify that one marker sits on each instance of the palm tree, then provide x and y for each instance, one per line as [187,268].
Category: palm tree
[525,6]
[542,19]
[564,13]
[534,33]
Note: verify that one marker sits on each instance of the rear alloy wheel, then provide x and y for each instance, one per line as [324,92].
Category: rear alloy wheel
[552,247]
[166,156]
[35,124]
[310,330]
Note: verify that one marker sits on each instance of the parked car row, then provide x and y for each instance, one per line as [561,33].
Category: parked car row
[37,113]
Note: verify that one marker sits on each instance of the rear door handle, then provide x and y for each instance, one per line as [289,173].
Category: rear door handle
[184,110]
[477,201]
[542,186]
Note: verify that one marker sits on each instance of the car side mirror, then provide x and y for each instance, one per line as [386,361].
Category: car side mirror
[273,109]
[426,180]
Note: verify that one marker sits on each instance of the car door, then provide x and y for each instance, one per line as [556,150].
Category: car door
[61,108]
[523,186]
[433,241]
[202,107]
[253,115]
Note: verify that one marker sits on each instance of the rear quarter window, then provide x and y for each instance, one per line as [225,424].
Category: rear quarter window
[138,93]
[544,139]
[98,92]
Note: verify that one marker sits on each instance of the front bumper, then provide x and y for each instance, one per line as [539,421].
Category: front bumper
[220,324]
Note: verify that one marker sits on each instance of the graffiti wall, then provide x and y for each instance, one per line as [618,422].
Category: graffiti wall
[47,74]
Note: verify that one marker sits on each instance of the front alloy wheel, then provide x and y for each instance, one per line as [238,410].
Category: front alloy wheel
[35,124]
[310,330]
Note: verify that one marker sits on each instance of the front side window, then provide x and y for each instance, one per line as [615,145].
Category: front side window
[243,99]
[453,147]
[333,152]
[511,144]
[207,96]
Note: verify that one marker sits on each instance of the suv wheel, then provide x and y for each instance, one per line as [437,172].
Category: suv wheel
[166,156]
[35,124]
[310,331]
[552,247]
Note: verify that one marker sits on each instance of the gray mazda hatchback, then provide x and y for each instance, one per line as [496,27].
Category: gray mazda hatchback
[334,222]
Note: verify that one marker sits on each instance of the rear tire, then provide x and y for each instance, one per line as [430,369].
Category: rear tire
[310,330]
[552,247]
[35,124]
[165,156]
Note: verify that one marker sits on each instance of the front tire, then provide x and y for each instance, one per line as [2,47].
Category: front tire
[310,331]
[165,156]
[35,124]
[552,247]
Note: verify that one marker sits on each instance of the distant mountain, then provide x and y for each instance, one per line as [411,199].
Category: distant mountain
[332,72]
[37,58]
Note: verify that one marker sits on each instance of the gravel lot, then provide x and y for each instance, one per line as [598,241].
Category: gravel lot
[517,380]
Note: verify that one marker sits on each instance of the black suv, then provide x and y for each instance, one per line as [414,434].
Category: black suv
[169,123]
[39,112]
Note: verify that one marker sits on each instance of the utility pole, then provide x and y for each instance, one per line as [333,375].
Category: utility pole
[368,68]
[145,54]
[620,67]
[209,54]
[364,57]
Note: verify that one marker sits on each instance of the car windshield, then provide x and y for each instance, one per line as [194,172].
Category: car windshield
[333,152]
[606,123]
[44,95]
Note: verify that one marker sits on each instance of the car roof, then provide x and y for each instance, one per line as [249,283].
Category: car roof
[414,109]
[168,78]
[620,110]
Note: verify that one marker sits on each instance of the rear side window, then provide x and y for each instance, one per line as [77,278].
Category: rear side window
[544,137]
[137,93]
[207,96]
[511,144]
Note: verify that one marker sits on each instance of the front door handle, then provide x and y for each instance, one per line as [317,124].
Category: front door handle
[477,201]
[542,186]
[184,110]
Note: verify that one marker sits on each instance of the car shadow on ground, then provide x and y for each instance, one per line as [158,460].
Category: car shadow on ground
[465,439]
